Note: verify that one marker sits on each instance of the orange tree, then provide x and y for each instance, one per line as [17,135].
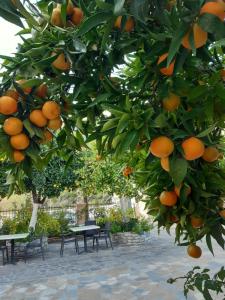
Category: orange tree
[142,78]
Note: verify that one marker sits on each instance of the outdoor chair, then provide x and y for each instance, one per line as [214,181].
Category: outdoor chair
[90,233]
[4,250]
[67,238]
[103,234]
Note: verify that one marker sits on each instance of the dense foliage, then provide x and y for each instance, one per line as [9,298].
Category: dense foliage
[155,72]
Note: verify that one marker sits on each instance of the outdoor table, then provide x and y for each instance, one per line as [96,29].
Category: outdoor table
[12,238]
[84,228]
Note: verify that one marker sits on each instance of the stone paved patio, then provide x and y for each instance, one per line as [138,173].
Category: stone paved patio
[134,273]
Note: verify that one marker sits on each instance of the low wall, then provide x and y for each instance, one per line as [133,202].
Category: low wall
[130,238]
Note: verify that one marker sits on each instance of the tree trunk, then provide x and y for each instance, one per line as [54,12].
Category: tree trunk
[86,208]
[37,201]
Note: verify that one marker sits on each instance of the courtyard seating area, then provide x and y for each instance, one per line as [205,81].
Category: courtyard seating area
[135,273]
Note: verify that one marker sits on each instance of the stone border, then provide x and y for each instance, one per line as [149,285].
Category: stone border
[130,238]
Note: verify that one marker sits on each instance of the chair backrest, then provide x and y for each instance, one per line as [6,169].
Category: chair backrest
[90,222]
[107,226]
[90,232]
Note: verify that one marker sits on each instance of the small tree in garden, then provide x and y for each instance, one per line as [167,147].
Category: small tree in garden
[145,80]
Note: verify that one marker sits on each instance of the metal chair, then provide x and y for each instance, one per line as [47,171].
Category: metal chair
[67,238]
[4,250]
[104,234]
[89,234]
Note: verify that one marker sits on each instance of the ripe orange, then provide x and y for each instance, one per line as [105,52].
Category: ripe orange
[69,9]
[161,147]
[129,25]
[165,163]
[8,105]
[222,2]
[18,156]
[168,198]
[168,71]
[194,251]
[214,8]
[13,94]
[178,188]
[211,154]
[26,90]
[222,213]
[127,171]
[13,126]
[55,123]
[48,136]
[196,222]
[41,91]
[171,102]
[193,148]
[77,16]
[200,37]
[37,118]
[19,141]
[56,19]
[51,110]
[61,63]
[173,219]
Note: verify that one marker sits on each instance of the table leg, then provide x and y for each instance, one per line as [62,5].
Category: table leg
[12,251]
[85,243]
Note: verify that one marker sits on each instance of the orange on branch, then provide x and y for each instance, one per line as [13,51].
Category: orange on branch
[56,18]
[196,222]
[193,148]
[129,25]
[18,156]
[19,141]
[8,105]
[214,8]
[69,8]
[13,126]
[77,16]
[26,90]
[127,171]
[61,63]
[41,91]
[171,103]
[48,136]
[211,154]
[51,110]
[55,123]
[178,188]
[168,71]
[37,118]
[168,198]
[200,37]
[13,94]
[194,251]
[222,213]
[161,147]
[165,164]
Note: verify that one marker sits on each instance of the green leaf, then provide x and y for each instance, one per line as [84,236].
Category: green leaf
[27,124]
[123,123]
[93,21]
[9,13]
[209,243]
[139,9]
[118,7]
[206,132]
[212,24]
[112,123]
[178,170]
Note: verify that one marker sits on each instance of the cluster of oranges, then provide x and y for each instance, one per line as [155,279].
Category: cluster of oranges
[74,15]
[47,117]
[128,26]
[200,37]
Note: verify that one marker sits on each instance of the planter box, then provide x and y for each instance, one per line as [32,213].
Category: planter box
[130,238]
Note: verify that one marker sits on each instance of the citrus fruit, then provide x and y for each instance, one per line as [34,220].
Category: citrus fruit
[48,136]
[193,148]
[196,222]
[210,154]
[165,164]
[168,198]
[51,110]
[13,94]
[55,123]
[56,19]
[129,25]
[194,251]
[127,171]
[41,91]
[166,70]
[18,156]
[222,2]
[171,102]
[26,90]
[69,8]
[13,126]
[61,63]
[77,16]
[19,141]
[8,105]
[161,147]
[37,118]
[199,35]
[214,8]
[173,219]
[178,188]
